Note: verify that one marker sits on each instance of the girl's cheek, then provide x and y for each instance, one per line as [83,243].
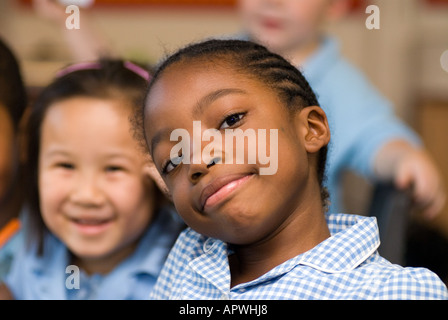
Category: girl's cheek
[125,193]
[53,188]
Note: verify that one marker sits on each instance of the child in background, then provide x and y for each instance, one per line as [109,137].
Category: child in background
[13,102]
[99,226]
[254,235]
[367,137]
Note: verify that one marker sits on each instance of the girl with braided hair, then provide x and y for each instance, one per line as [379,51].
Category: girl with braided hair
[249,235]
[96,225]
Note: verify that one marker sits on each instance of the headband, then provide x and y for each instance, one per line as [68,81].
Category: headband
[97,65]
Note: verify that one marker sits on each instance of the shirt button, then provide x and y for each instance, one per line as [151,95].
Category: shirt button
[224,297]
[208,245]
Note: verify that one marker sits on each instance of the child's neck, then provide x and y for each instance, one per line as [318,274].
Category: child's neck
[296,237]
[103,265]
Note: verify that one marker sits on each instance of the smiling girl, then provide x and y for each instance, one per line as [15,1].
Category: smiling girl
[255,236]
[99,226]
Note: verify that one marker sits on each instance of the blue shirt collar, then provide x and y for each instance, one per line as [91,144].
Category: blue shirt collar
[353,240]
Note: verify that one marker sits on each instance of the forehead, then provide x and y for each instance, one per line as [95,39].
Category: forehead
[181,86]
[88,120]
[84,108]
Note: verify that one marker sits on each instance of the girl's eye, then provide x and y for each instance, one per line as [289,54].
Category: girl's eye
[113,168]
[65,165]
[172,164]
[231,120]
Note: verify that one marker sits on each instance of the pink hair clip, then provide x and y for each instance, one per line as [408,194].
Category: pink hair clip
[77,67]
[138,70]
[97,65]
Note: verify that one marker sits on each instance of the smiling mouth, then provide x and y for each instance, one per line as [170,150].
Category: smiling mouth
[91,226]
[269,23]
[90,222]
[221,188]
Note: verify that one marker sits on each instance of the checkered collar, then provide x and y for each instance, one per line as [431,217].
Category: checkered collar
[353,240]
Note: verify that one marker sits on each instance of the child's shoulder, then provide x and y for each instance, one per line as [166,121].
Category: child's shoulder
[395,282]
[414,283]
[375,276]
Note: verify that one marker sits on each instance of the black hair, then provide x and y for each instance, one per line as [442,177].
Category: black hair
[109,78]
[14,99]
[13,93]
[253,60]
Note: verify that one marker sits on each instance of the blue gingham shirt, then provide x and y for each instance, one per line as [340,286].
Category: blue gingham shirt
[344,266]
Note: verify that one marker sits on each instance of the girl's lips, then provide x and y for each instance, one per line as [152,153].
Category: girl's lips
[220,188]
[270,23]
[91,226]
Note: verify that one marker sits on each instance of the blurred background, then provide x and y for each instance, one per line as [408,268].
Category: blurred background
[406,59]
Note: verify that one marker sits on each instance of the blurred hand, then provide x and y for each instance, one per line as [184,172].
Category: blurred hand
[417,171]
[5,293]
[412,168]
[84,44]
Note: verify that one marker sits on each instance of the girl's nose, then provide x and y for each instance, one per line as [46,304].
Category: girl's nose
[87,192]
[196,171]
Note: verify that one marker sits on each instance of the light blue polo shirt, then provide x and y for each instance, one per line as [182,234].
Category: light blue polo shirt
[8,251]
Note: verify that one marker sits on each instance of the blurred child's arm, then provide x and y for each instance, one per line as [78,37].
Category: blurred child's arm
[84,43]
[412,167]
[5,293]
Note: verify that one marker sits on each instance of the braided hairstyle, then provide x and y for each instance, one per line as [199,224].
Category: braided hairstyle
[255,61]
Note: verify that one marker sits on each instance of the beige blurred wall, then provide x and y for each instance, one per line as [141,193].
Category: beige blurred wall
[135,32]
[411,36]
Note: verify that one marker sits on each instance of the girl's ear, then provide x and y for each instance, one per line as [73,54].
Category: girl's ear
[315,128]
[150,171]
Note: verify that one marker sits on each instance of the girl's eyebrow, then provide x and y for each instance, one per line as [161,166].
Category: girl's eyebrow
[120,156]
[109,155]
[55,152]
[208,99]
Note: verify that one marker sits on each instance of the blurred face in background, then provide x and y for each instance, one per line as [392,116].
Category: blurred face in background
[283,25]
[7,151]
[93,193]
